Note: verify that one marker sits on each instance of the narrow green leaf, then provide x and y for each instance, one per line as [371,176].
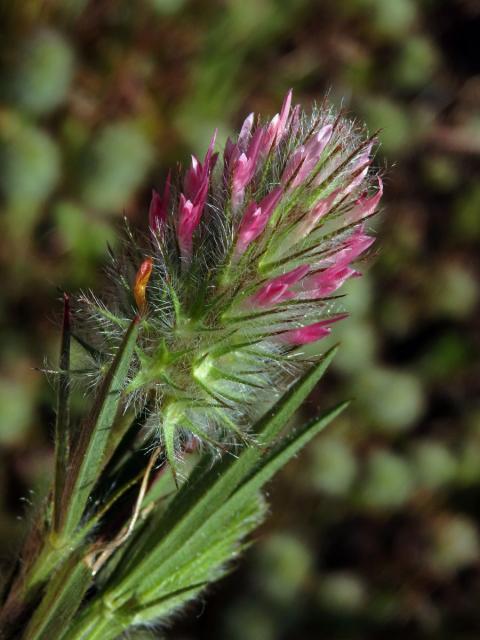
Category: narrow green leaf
[209,550]
[120,427]
[167,605]
[275,420]
[286,450]
[95,624]
[181,585]
[62,599]
[88,457]
[62,423]
[207,489]
[199,538]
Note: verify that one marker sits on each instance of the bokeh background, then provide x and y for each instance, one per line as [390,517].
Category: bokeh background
[375,530]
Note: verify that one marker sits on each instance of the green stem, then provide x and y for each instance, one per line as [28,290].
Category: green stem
[49,557]
[61,601]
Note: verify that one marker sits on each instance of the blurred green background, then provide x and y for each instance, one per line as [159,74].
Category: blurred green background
[375,531]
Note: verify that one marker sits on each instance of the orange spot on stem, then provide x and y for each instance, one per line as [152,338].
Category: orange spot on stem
[141,281]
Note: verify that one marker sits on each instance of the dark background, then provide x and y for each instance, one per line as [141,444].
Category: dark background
[374,531]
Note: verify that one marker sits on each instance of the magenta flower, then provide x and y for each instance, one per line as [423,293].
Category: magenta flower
[189,215]
[353,247]
[306,157]
[365,205]
[277,127]
[255,219]
[197,177]
[191,205]
[243,166]
[334,179]
[157,214]
[311,219]
[278,289]
[311,332]
[329,280]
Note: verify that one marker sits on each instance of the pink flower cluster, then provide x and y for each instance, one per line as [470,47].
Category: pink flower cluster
[241,162]
[300,283]
[319,177]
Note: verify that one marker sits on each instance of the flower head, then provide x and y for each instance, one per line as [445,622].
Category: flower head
[245,262]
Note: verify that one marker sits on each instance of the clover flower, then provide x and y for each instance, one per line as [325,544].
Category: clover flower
[240,269]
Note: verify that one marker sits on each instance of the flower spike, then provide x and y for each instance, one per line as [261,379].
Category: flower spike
[245,267]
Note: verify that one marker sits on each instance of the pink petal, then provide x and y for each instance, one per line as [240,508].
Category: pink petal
[293,276]
[193,179]
[157,213]
[245,166]
[352,248]
[189,219]
[270,201]
[293,165]
[192,203]
[241,172]
[277,289]
[230,151]
[272,293]
[315,146]
[277,126]
[285,111]
[209,157]
[198,176]
[310,221]
[359,169]
[256,143]
[255,219]
[329,280]
[293,123]
[245,131]
[311,332]
[305,158]
[306,334]
[251,226]
[365,205]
